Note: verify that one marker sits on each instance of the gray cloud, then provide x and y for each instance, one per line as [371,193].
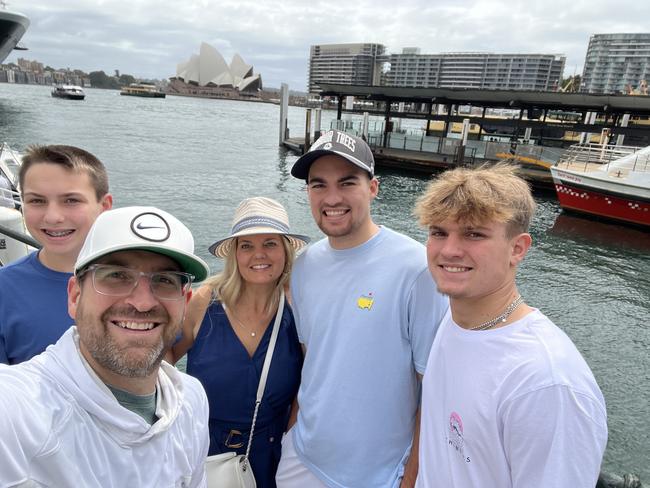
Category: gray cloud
[148,38]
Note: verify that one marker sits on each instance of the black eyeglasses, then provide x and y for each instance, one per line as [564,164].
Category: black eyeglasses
[118,281]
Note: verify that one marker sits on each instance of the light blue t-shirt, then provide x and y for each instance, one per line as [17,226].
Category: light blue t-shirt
[367,317]
[33,308]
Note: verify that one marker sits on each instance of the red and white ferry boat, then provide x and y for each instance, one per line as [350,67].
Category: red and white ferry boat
[606,181]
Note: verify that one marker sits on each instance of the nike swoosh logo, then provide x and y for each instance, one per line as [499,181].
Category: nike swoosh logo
[143,227]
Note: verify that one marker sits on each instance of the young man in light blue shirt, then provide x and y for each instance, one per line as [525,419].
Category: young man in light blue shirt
[366,310]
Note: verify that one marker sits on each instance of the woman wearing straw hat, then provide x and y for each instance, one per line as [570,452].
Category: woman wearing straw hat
[228,329]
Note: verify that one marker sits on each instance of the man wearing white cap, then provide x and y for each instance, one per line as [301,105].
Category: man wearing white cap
[98,408]
[366,312]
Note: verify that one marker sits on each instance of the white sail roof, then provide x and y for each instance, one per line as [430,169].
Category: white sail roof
[239,68]
[211,64]
[209,68]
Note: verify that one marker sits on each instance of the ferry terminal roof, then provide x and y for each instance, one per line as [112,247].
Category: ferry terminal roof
[516,99]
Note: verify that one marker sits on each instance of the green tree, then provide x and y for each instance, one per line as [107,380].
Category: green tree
[99,79]
[126,80]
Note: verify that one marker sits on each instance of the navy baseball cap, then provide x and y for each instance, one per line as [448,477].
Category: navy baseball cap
[352,148]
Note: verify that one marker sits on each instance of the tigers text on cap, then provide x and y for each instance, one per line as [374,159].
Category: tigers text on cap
[142,229]
[352,148]
[258,215]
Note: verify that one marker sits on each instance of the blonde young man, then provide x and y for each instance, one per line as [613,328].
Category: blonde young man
[508,401]
[366,312]
[63,189]
[99,408]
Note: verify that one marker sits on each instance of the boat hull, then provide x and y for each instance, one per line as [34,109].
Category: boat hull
[609,202]
[145,95]
[69,97]
[12,28]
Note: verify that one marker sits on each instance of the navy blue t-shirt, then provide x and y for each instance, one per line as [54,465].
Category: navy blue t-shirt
[33,308]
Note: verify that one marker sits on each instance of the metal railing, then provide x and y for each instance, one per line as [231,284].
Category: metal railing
[589,157]
[579,157]
[415,140]
[19,236]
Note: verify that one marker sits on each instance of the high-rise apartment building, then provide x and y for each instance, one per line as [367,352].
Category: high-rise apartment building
[474,70]
[348,64]
[27,65]
[616,63]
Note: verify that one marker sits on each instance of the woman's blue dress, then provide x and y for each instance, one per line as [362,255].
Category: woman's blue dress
[230,378]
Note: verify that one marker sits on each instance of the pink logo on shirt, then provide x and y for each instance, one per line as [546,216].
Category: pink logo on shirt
[456,431]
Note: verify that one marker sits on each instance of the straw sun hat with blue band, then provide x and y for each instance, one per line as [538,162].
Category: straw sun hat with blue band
[258,215]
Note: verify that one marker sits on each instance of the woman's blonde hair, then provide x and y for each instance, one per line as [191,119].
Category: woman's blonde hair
[228,285]
[490,193]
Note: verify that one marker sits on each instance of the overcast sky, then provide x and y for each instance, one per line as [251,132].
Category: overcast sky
[148,38]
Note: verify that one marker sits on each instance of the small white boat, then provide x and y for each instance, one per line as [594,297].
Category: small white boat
[605,181]
[70,92]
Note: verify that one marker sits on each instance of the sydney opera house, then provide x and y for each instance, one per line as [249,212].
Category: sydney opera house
[208,74]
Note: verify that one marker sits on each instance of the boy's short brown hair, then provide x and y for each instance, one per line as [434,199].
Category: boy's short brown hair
[490,193]
[70,157]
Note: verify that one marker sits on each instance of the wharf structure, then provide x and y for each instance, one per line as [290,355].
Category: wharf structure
[616,63]
[457,129]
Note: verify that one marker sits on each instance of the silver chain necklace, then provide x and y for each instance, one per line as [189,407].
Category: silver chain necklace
[240,323]
[501,318]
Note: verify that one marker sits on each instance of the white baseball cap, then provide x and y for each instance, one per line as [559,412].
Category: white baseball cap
[143,229]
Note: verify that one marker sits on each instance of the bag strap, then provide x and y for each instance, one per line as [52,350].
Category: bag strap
[265,370]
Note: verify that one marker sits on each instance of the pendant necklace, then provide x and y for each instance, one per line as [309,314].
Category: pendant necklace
[501,318]
[241,324]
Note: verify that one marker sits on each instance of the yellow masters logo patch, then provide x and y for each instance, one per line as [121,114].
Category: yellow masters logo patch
[365,301]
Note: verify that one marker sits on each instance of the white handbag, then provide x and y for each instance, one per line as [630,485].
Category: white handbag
[229,470]
[232,470]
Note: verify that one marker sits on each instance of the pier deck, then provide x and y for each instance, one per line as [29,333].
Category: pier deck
[429,162]
[296,144]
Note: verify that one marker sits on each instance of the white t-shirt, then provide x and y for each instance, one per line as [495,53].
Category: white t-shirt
[510,407]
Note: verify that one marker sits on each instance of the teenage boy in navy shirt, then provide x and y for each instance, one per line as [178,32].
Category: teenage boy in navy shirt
[63,189]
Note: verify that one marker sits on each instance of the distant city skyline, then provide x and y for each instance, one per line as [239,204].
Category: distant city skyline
[147,38]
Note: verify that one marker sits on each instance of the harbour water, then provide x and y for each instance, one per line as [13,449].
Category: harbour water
[198,158]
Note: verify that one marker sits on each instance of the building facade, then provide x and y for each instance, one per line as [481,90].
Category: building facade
[541,72]
[616,63]
[347,64]
[33,73]
[28,65]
